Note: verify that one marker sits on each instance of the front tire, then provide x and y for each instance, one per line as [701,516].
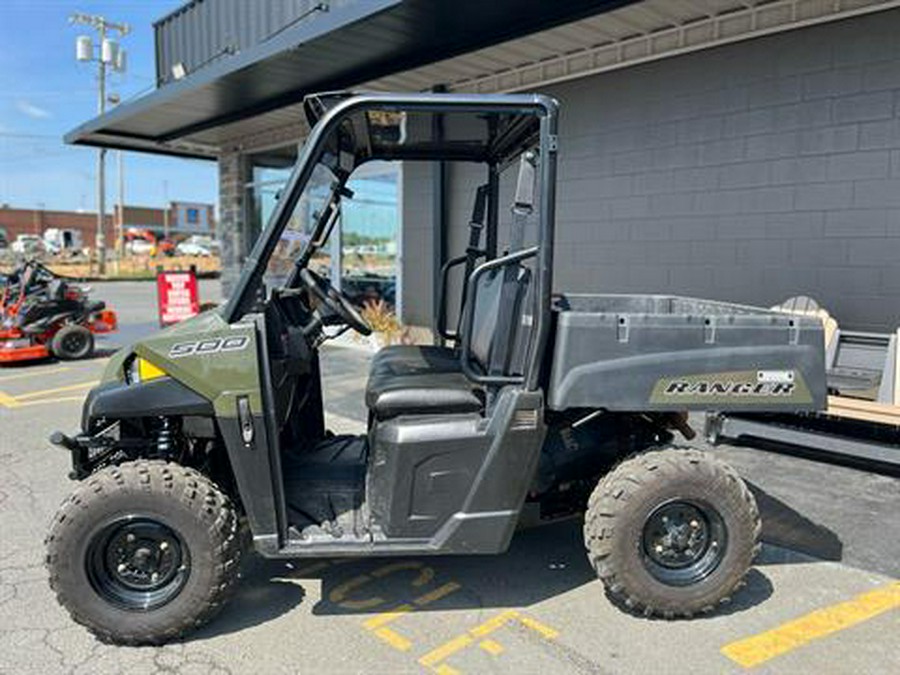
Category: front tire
[144,552]
[672,532]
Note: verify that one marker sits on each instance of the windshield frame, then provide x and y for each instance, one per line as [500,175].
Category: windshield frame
[326,131]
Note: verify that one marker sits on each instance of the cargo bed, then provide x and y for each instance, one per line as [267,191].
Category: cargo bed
[659,352]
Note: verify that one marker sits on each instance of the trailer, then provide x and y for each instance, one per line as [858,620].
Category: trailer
[861,422]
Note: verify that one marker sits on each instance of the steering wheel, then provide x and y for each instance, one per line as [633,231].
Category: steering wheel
[335,300]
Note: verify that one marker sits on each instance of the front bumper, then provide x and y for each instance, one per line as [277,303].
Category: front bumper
[86,451]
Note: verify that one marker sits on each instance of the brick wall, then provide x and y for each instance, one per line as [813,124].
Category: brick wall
[35,221]
[749,173]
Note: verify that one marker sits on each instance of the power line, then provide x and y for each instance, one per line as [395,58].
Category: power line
[12,134]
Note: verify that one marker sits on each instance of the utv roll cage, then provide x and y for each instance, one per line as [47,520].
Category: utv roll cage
[349,129]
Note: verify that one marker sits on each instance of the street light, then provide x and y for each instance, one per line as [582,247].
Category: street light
[107,54]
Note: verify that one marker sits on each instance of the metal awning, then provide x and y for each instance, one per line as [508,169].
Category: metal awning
[358,43]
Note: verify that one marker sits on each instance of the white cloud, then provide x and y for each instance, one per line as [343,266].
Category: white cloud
[31,110]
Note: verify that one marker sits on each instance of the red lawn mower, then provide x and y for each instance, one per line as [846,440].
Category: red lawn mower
[43,314]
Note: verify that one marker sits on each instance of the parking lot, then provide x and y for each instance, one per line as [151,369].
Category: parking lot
[824,595]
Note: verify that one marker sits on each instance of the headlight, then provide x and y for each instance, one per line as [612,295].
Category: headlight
[141,370]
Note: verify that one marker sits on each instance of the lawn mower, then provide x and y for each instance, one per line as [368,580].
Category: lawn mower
[43,314]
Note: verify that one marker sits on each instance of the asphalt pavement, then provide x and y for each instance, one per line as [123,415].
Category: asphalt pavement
[823,596]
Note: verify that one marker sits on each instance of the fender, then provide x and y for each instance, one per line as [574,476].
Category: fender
[156,398]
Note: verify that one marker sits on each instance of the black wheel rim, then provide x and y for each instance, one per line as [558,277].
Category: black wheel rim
[683,542]
[74,342]
[137,563]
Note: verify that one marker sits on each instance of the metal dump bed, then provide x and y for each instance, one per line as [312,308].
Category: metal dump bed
[658,352]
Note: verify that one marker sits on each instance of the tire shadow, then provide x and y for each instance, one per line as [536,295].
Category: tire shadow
[787,528]
[262,595]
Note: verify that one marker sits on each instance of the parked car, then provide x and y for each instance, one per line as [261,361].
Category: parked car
[200,240]
[28,243]
[4,242]
[192,248]
[139,247]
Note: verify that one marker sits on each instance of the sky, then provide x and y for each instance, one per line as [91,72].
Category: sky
[45,92]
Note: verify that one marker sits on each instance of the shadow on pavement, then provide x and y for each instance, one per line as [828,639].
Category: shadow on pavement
[542,563]
[262,595]
[787,528]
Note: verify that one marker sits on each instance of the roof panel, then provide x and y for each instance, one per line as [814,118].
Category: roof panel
[350,45]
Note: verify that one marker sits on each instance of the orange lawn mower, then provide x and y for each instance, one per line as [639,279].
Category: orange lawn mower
[43,314]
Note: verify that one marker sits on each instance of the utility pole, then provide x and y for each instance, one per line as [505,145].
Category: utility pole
[165,184]
[120,229]
[108,54]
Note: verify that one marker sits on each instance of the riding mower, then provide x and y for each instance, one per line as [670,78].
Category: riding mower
[210,435]
[43,314]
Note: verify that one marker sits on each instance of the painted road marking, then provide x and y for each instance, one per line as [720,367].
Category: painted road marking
[378,623]
[436,659]
[339,595]
[8,401]
[56,390]
[491,647]
[19,376]
[38,397]
[394,639]
[44,401]
[760,648]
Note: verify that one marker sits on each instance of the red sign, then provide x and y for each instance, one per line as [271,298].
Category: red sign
[178,296]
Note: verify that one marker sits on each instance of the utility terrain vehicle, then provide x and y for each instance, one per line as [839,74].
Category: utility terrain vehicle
[544,406]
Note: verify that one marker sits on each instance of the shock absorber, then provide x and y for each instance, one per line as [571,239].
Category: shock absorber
[165,438]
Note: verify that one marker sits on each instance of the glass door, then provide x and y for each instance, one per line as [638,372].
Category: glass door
[370,235]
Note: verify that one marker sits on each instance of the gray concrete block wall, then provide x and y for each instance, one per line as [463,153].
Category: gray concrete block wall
[750,172]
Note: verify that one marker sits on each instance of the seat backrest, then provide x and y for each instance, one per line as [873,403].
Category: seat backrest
[500,330]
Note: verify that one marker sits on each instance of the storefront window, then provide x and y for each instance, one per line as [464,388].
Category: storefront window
[369,235]
[362,255]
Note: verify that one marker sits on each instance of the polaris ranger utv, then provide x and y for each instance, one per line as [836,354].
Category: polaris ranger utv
[543,406]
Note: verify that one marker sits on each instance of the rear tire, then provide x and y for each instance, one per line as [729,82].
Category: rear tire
[672,532]
[144,552]
[72,342]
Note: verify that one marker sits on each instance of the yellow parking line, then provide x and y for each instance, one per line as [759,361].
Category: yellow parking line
[444,669]
[437,594]
[491,625]
[446,650]
[34,373]
[546,631]
[394,639]
[8,401]
[424,577]
[45,401]
[385,618]
[492,647]
[434,660]
[56,390]
[758,649]
[339,594]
